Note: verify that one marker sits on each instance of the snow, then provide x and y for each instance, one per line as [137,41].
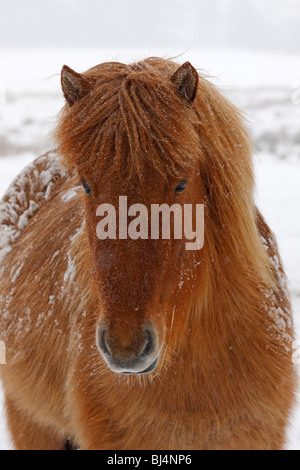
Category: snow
[70,272]
[265,86]
[68,196]
[15,272]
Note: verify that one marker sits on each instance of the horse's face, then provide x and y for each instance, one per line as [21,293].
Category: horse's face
[144,283]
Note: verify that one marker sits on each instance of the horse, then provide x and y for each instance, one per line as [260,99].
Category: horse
[141,344]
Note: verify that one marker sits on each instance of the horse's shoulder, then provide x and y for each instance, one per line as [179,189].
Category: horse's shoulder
[35,186]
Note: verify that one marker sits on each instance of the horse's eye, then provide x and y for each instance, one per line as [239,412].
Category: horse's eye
[85,186]
[181,187]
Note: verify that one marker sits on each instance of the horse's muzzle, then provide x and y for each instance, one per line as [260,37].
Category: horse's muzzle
[129,354]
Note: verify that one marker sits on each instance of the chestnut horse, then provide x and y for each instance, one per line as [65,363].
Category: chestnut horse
[142,344]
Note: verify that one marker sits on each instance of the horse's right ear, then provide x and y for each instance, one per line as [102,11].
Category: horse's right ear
[74,85]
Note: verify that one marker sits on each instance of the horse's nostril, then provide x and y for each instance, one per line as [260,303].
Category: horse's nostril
[148,349]
[103,344]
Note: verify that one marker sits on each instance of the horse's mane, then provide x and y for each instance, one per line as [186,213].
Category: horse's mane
[134,118]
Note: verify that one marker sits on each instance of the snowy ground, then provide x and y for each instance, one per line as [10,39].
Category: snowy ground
[262,85]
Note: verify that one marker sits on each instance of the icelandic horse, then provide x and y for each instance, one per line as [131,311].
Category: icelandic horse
[140,343]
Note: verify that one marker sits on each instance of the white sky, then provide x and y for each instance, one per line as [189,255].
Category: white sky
[253,24]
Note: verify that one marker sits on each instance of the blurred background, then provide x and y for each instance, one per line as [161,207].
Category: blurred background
[249,48]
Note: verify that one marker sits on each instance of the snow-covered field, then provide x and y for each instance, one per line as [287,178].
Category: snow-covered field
[263,85]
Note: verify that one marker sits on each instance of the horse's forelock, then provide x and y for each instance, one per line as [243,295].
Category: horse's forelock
[132,117]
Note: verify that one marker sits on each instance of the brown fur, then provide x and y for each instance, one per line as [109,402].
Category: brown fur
[225,378]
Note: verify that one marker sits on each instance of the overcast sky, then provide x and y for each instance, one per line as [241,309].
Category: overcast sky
[253,24]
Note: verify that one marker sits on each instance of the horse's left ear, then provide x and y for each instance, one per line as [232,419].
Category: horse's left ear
[186,81]
[74,85]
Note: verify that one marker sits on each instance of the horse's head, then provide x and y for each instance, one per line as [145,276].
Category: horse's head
[133,131]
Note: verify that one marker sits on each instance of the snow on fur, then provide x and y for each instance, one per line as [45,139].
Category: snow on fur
[24,197]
